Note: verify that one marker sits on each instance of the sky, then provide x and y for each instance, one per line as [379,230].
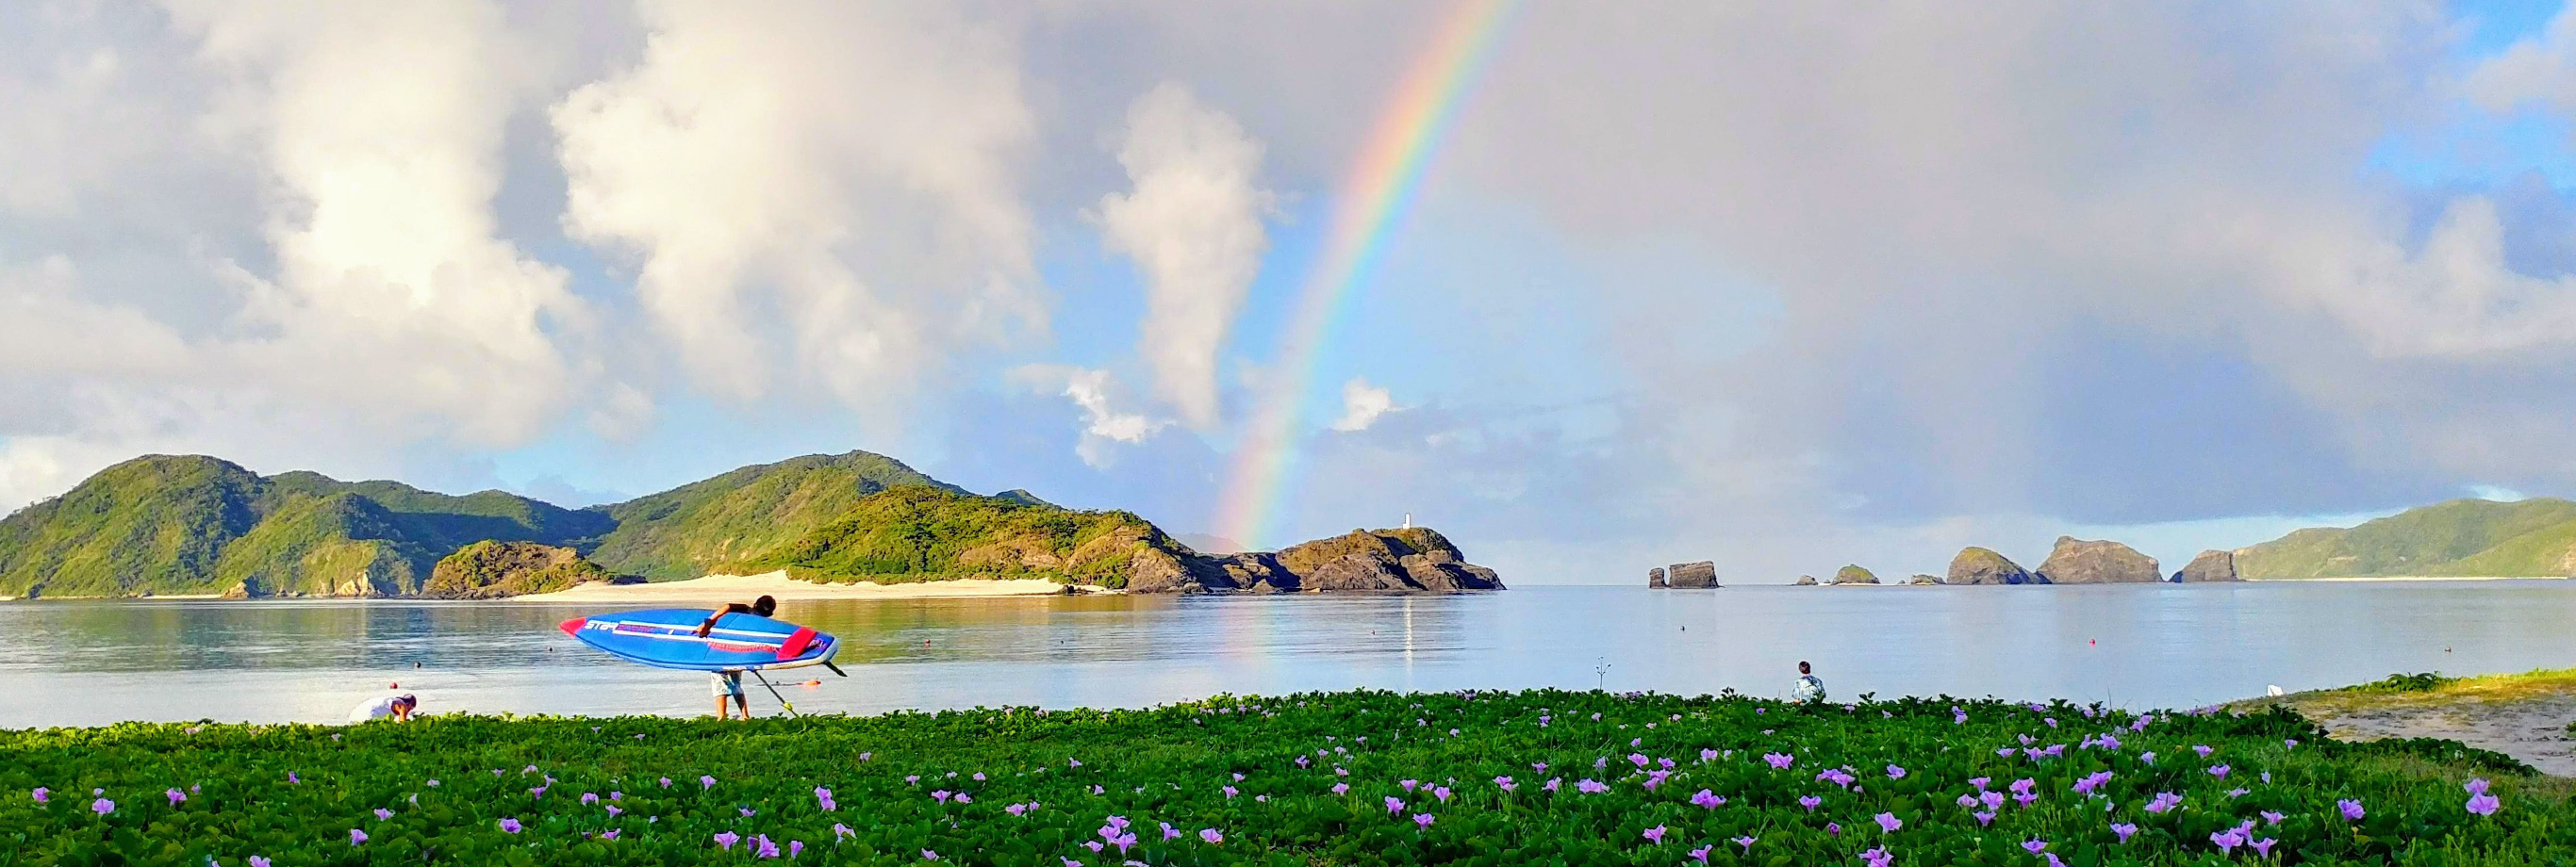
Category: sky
[1590,289]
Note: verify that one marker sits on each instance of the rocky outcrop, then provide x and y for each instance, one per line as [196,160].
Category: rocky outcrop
[1408,560]
[1984,566]
[493,570]
[2209,566]
[1805,581]
[2078,561]
[1920,578]
[1655,579]
[1854,574]
[1701,575]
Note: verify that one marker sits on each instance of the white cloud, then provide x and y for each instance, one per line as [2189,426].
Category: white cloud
[1362,404]
[851,167]
[1099,396]
[1193,224]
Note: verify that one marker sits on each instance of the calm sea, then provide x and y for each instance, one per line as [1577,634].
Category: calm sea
[91,663]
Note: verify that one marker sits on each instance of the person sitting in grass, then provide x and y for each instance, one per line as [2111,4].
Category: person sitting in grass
[1809,687]
[399,707]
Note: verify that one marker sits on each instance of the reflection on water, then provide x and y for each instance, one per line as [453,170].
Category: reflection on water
[67,663]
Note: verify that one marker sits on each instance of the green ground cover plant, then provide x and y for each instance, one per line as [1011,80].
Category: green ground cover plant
[1356,778]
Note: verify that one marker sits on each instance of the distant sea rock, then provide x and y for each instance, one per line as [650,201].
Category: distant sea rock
[1854,574]
[1920,578]
[2078,561]
[1805,581]
[1406,560]
[1983,566]
[1655,579]
[1701,575]
[2209,566]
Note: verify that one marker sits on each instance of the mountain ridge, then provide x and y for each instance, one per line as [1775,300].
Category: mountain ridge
[199,525]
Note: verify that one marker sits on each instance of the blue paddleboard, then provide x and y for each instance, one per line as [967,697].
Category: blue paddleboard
[668,638]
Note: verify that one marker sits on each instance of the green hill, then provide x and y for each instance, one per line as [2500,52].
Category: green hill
[727,523]
[920,533]
[162,525]
[2529,538]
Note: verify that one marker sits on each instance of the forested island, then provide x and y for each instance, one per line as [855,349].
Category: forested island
[191,525]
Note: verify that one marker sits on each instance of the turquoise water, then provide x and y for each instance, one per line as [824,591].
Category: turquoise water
[89,663]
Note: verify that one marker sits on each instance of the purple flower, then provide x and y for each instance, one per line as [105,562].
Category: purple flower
[1590,786]
[706,782]
[383,814]
[2475,785]
[1394,804]
[614,810]
[42,794]
[102,806]
[1746,842]
[1980,782]
[1888,823]
[2228,840]
[1701,853]
[795,848]
[2271,818]
[2263,847]
[2484,805]
[2165,801]
[510,826]
[929,855]
[940,795]
[589,798]
[728,838]
[1984,817]
[1441,792]
[1211,836]
[764,847]
[1833,829]
[1341,788]
[292,778]
[1505,783]
[666,782]
[1229,791]
[823,799]
[1422,820]
[840,830]
[1708,799]
[1655,835]
[2124,829]
[2219,771]
[2034,845]
[746,811]
[1895,773]
[1810,802]
[1538,767]
[356,836]
[1878,857]
[2352,811]
[258,861]
[1779,761]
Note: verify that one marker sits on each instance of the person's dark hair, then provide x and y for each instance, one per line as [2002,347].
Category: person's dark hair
[1803,669]
[410,699]
[764,606]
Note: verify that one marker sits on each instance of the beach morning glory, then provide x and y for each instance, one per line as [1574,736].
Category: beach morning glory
[2352,811]
[728,838]
[1888,822]
[2124,830]
[356,836]
[1655,834]
[511,826]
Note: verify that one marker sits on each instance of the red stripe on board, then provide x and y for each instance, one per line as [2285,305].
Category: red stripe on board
[796,642]
[573,626]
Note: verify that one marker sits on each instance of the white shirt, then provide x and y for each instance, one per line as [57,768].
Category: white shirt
[374,709]
[1808,688]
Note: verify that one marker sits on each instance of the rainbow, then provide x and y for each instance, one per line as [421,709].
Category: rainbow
[1379,192]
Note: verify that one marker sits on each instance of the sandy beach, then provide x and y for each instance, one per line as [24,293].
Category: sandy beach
[777,584]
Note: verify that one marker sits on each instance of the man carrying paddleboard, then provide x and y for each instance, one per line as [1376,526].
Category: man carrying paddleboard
[728,683]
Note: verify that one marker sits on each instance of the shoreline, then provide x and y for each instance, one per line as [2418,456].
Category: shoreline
[2373,579]
[785,589]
